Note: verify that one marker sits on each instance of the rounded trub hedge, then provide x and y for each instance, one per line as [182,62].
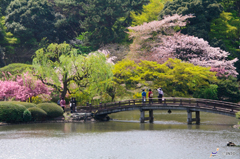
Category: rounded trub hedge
[25,104]
[53,110]
[37,114]
[11,112]
[27,115]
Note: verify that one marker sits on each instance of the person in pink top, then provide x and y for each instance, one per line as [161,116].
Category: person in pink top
[63,104]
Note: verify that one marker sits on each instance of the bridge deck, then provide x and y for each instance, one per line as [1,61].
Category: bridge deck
[193,104]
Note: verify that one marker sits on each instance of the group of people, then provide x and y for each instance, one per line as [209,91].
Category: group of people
[72,104]
[73,101]
[150,95]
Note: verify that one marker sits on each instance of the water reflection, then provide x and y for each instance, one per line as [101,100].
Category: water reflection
[124,137]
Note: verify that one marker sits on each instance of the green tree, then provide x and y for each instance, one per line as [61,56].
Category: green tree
[149,13]
[4,4]
[227,29]
[225,33]
[228,89]
[106,21]
[59,66]
[210,92]
[7,41]
[177,78]
[30,20]
[68,18]
[204,10]
[230,5]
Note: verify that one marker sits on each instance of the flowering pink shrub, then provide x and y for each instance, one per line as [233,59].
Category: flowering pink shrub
[22,88]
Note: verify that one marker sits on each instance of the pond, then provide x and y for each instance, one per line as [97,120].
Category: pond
[124,137]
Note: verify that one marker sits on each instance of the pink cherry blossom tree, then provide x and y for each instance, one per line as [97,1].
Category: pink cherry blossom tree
[22,88]
[194,50]
[158,41]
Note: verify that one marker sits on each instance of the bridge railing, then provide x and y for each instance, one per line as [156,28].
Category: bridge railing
[173,101]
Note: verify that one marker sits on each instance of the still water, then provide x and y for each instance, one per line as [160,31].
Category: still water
[169,137]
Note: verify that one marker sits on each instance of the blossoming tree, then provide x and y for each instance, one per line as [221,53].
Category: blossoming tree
[22,88]
[158,41]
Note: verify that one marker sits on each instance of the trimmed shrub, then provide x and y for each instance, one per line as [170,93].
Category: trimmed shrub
[37,114]
[25,104]
[53,110]
[27,115]
[11,112]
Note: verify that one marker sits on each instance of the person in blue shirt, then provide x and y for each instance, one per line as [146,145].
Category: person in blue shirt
[144,94]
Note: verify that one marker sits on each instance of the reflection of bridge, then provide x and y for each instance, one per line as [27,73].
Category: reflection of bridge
[190,104]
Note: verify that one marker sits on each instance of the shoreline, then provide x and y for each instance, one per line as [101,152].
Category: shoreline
[70,121]
[66,118]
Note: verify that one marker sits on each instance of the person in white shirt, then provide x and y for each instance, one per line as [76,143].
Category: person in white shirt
[160,94]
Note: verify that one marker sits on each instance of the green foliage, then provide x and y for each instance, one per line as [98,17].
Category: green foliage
[55,62]
[150,12]
[27,115]
[207,92]
[125,73]
[230,5]
[30,20]
[11,112]
[177,78]
[238,116]
[3,6]
[36,100]
[53,110]
[227,29]
[67,18]
[37,114]
[6,42]
[228,89]
[83,48]
[62,64]
[204,10]
[14,69]
[25,104]
[225,33]
[137,96]
[104,21]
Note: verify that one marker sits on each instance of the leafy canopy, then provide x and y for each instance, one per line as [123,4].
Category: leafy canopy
[177,78]
[59,66]
[30,20]
[203,10]
[106,21]
[149,13]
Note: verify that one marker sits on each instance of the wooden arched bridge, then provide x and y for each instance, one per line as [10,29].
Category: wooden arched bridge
[170,103]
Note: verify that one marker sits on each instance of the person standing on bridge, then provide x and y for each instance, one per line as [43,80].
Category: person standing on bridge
[150,96]
[160,94]
[144,94]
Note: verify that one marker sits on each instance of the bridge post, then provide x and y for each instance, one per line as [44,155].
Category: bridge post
[198,117]
[142,117]
[151,116]
[189,119]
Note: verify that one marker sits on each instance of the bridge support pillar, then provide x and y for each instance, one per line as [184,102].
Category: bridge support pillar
[143,118]
[151,116]
[190,119]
